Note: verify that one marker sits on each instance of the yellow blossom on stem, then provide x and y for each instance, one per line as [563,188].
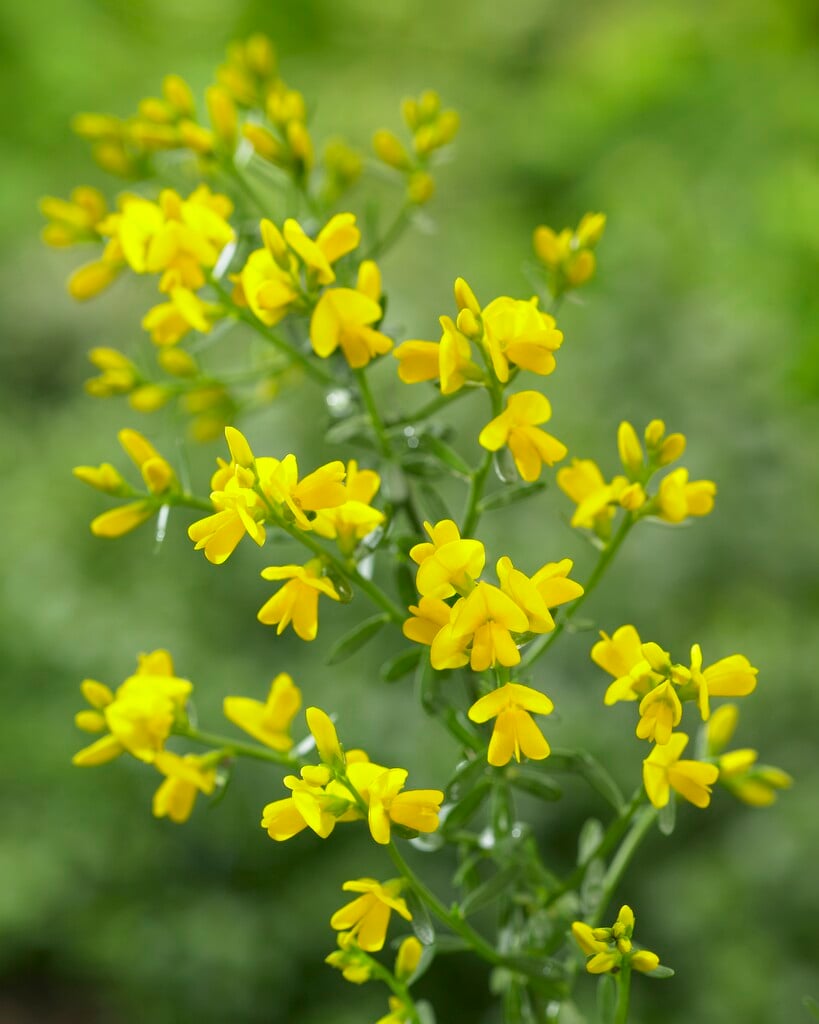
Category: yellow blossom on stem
[515,731]
[169,322]
[355,518]
[73,220]
[326,738]
[339,236]
[447,563]
[660,712]
[611,949]
[408,957]
[517,332]
[267,721]
[752,783]
[239,511]
[567,254]
[677,499]
[297,600]
[487,618]
[449,360]
[367,918]
[184,778]
[663,771]
[344,318]
[427,620]
[118,374]
[319,490]
[516,427]
[585,485]
[548,588]
[390,804]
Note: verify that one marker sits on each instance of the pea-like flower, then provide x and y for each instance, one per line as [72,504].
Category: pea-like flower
[447,563]
[267,721]
[297,600]
[367,918]
[755,784]
[663,771]
[517,427]
[344,318]
[184,778]
[611,949]
[515,731]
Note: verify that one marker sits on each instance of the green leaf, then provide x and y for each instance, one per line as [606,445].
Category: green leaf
[405,584]
[433,504]
[667,817]
[467,772]
[510,495]
[584,765]
[606,998]
[401,665]
[353,429]
[591,888]
[421,465]
[356,638]
[426,1015]
[661,971]
[591,835]
[465,808]
[811,1005]
[446,455]
[532,781]
[421,921]
[487,892]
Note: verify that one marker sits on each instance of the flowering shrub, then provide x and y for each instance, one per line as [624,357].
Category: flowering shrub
[290,262]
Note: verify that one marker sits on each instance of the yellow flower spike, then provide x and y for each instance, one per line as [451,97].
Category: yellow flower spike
[267,721]
[515,731]
[324,733]
[663,771]
[409,956]
[660,712]
[515,331]
[488,617]
[630,450]
[184,778]
[367,918]
[517,428]
[417,809]
[678,499]
[297,600]
[429,617]
[343,318]
[448,563]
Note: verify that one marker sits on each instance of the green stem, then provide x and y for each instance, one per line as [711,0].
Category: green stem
[309,367]
[352,575]
[372,410]
[453,921]
[611,837]
[623,988]
[391,235]
[543,643]
[621,860]
[431,407]
[234,747]
[478,480]
[188,500]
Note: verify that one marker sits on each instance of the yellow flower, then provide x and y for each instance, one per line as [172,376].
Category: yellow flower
[138,717]
[339,236]
[585,485]
[515,731]
[118,374]
[268,279]
[517,428]
[73,220]
[663,449]
[157,474]
[400,1012]
[175,237]
[610,949]
[355,518]
[326,738]
[267,721]
[367,918]
[660,712]
[733,676]
[306,808]
[515,331]
[408,957]
[754,784]
[249,71]
[184,778]
[677,499]
[548,588]
[390,804]
[169,322]
[355,966]
[343,318]
[297,600]
[486,618]
[429,617]
[240,511]
[567,254]
[449,360]
[663,770]
[447,563]
[620,653]
[319,490]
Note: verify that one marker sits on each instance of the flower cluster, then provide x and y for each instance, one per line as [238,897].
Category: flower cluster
[568,256]
[609,950]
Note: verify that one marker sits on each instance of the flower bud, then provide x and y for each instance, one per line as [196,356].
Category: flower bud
[389,148]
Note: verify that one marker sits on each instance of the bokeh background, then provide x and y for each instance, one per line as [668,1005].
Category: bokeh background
[695,126]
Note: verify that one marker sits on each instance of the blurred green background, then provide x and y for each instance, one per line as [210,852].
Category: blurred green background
[695,126]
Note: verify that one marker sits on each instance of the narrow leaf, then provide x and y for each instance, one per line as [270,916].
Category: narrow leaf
[661,971]
[667,817]
[532,781]
[421,921]
[356,638]
[401,665]
[591,835]
[446,455]
[487,892]
[465,808]
[510,495]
